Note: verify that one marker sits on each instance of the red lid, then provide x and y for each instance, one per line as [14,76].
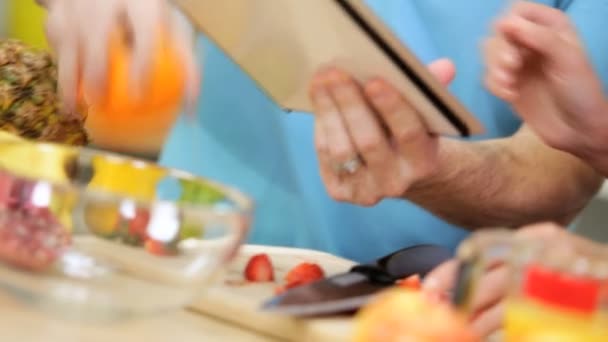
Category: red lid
[565,291]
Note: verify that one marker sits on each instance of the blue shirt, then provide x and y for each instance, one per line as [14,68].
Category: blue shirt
[242,138]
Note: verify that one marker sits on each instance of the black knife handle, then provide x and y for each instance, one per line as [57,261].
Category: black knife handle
[418,259]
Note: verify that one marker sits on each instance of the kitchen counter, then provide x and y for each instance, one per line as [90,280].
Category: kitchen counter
[20,322]
[225,312]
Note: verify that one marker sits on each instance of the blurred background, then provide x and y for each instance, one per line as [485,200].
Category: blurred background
[24,20]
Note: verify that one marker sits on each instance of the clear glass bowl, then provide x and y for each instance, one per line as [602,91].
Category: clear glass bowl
[98,234]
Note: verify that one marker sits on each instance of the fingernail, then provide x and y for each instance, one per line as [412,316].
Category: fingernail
[337,76]
[510,94]
[375,88]
[510,59]
[503,76]
[317,93]
[318,79]
[430,283]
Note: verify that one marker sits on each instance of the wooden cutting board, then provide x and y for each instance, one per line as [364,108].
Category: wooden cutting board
[238,302]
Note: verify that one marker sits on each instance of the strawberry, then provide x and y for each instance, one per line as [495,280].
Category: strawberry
[412,282]
[303,273]
[259,269]
[139,224]
[158,248]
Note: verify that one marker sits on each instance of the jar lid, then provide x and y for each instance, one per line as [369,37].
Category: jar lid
[567,291]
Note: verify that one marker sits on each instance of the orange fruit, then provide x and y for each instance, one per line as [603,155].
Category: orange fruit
[405,315]
[122,120]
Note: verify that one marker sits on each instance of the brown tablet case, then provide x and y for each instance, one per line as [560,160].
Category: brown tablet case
[282,43]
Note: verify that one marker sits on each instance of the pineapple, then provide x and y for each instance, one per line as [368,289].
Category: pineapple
[29,104]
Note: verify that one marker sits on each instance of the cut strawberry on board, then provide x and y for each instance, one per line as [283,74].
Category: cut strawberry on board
[259,269]
[303,273]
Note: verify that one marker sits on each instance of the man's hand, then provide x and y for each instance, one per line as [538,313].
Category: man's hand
[79,31]
[370,142]
[536,62]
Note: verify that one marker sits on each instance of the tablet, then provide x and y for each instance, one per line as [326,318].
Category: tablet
[280,44]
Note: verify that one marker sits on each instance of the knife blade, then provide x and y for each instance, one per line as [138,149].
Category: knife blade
[347,292]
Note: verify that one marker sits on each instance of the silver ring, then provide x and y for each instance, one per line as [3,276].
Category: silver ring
[350,166]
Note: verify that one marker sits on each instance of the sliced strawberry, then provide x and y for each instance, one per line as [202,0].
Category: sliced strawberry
[303,273]
[158,248]
[412,282]
[139,224]
[259,269]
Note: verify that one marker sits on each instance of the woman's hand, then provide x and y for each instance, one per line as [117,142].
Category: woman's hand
[487,302]
[370,142]
[79,31]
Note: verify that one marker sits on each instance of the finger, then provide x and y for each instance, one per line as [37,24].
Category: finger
[488,321]
[328,175]
[559,236]
[96,42]
[147,19]
[491,288]
[540,14]
[184,36]
[444,70]
[442,278]
[61,36]
[495,83]
[67,72]
[410,135]
[503,56]
[193,81]
[502,64]
[538,38]
[56,23]
[339,147]
[361,124]
[541,231]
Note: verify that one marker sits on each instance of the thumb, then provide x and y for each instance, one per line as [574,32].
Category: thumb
[442,278]
[443,70]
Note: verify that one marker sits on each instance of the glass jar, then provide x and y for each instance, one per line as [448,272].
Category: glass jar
[557,284]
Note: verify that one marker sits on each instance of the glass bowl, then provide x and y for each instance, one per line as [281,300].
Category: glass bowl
[97,234]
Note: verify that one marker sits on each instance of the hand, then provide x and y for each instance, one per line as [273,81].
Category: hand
[486,305]
[370,142]
[536,62]
[78,31]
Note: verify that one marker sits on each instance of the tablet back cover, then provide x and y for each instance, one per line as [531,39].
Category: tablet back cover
[282,43]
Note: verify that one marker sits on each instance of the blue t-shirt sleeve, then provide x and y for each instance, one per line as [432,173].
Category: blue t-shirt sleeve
[589,17]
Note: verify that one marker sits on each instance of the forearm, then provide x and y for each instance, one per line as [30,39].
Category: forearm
[591,140]
[506,182]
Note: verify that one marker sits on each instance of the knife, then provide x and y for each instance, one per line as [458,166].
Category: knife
[347,292]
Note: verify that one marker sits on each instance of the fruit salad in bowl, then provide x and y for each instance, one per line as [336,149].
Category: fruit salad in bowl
[94,233]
